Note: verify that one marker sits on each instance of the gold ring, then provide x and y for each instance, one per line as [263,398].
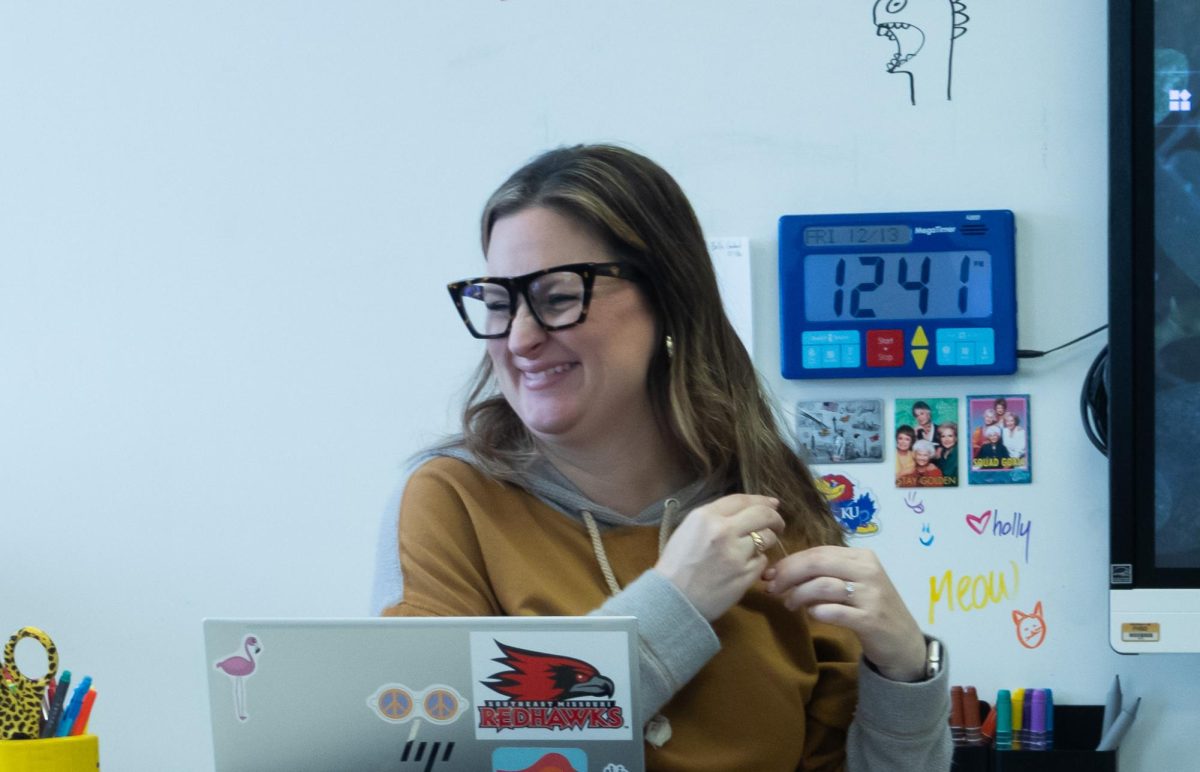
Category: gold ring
[760,546]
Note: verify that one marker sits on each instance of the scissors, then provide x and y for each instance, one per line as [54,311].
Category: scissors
[21,697]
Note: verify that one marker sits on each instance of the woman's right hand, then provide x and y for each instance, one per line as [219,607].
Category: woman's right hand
[712,558]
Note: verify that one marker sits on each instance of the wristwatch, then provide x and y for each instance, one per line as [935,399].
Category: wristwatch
[933,657]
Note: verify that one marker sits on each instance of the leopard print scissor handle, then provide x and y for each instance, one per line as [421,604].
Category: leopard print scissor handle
[20,696]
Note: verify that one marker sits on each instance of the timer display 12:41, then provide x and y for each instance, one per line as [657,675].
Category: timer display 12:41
[898,286]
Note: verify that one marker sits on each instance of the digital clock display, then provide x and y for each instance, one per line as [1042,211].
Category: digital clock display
[889,286]
[857,235]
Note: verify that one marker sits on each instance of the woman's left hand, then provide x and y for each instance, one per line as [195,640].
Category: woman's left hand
[848,587]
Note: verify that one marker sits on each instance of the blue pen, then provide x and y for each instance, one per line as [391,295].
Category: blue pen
[68,718]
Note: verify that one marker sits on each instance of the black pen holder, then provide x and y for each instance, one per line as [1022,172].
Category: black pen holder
[1076,735]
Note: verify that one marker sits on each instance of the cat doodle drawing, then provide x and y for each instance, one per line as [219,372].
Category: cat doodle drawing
[1031,627]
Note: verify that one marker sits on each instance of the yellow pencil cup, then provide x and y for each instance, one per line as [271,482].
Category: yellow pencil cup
[57,754]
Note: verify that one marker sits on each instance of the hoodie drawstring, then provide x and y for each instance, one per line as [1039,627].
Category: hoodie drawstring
[665,527]
[658,728]
[601,556]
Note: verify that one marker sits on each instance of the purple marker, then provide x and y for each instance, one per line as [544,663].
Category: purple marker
[1036,739]
[1026,715]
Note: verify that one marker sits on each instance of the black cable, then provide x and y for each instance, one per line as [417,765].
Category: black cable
[1024,353]
[1093,397]
[1093,402]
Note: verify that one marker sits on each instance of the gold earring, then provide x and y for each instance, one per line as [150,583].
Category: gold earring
[670,343]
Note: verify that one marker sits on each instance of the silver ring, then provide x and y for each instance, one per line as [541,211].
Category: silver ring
[760,545]
[849,592]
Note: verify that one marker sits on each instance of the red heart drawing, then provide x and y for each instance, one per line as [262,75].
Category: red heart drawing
[979,523]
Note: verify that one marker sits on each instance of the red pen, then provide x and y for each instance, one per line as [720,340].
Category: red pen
[988,730]
[85,710]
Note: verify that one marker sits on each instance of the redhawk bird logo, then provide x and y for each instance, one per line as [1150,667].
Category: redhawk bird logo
[537,676]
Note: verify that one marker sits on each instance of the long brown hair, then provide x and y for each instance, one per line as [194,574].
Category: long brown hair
[706,396]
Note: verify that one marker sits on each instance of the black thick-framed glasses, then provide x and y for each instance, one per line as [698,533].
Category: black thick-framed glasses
[557,297]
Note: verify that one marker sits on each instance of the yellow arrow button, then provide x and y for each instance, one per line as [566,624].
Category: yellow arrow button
[919,338]
[919,355]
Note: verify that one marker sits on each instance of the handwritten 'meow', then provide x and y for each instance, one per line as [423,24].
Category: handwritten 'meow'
[971,592]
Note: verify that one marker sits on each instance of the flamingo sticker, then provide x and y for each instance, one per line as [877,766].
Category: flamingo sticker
[240,668]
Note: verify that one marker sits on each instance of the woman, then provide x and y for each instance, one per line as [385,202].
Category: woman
[993,450]
[977,437]
[618,457]
[925,473]
[947,451]
[905,437]
[1013,436]
[923,415]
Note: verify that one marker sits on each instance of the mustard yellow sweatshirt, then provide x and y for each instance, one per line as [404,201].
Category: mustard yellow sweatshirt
[760,689]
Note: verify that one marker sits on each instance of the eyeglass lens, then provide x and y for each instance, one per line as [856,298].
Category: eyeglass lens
[557,299]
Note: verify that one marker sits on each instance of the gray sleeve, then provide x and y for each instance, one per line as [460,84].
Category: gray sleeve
[900,727]
[674,639]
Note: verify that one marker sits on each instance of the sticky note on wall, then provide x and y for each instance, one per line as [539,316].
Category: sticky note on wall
[731,259]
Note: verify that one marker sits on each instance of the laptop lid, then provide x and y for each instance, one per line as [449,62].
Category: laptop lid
[511,694]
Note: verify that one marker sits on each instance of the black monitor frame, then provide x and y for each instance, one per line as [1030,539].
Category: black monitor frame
[1132,256]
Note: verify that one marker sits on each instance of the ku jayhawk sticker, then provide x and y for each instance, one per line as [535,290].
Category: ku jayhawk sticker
[551,686]
[853,505]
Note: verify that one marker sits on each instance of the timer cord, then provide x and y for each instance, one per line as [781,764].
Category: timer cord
[1093,397]
[1024,353]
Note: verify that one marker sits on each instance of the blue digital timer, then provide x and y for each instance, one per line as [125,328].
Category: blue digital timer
[898,294]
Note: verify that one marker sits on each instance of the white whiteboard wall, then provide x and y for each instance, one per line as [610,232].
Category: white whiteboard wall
[225,229]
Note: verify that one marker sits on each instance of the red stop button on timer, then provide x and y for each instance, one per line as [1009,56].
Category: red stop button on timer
[885,348]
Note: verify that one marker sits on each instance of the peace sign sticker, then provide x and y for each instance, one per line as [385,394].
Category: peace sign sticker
[437,703]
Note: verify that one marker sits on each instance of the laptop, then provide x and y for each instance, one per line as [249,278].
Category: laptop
[507,694]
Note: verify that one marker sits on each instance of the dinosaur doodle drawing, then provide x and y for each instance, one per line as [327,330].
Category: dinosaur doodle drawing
[924,32]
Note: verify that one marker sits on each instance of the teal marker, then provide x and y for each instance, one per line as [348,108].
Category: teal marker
[1004,731]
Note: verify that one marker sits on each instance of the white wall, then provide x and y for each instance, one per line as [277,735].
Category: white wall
[225,228]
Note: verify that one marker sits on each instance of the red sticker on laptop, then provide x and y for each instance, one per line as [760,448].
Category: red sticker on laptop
[551,686]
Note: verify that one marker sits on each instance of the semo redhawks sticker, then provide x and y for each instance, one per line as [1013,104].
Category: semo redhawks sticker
[551,686]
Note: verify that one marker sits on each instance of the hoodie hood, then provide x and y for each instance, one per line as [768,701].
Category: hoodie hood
[553,488]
